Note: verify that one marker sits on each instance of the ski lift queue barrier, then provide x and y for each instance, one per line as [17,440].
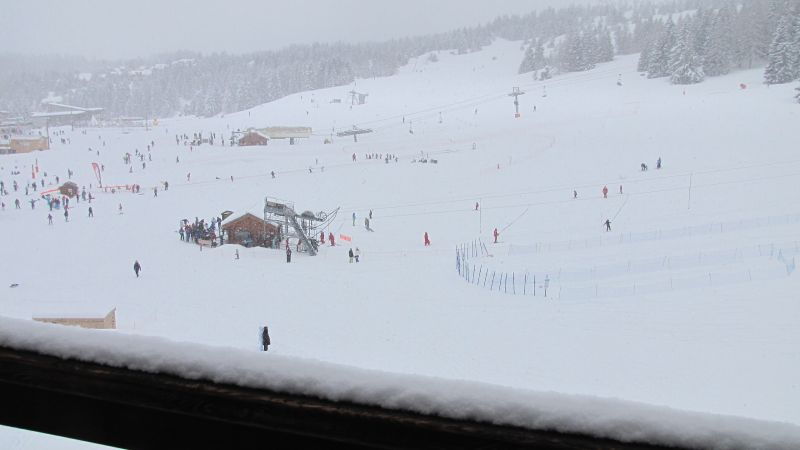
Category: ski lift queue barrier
[587,283]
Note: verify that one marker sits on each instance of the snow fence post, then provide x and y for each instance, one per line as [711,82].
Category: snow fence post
[473,274]
[525,284]
[485,276]
[505,285]
[513,284]
[479,275]
[491,287]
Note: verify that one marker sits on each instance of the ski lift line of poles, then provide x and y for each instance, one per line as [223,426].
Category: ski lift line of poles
[585,185]
[546,190]
[564,201]
[552,202]
[476,101]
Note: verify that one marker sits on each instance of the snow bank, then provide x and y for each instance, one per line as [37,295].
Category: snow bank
[602,417]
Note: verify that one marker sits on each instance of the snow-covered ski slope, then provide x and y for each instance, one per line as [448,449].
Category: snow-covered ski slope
[687,302]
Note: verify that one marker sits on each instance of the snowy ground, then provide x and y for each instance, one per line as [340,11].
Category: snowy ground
[728,346]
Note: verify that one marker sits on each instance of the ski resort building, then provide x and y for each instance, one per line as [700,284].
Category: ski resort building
[290,133]
[27,144]
[60,114]
[252,137]
[250,230]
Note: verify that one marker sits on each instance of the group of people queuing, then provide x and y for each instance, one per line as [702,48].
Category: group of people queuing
[199,229]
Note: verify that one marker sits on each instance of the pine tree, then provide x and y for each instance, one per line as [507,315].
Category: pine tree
[685,65]
[719,51]
[527,61]
[605,48]
[797,41]
[658,64]
[783,55]
[534,58]
[798,94]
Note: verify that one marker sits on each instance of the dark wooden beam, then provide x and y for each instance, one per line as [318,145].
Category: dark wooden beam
[138,410]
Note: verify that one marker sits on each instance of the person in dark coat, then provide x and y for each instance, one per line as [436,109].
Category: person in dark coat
[608,224]
[265,339]
[427,240]
[137,268]
[288,254]
[350,254]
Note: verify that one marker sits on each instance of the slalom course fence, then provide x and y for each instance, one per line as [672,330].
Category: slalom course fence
[593,282]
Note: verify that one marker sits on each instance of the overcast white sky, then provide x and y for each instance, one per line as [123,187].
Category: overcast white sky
[127,28]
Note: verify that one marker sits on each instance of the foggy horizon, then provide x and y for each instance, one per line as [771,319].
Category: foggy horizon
[86,29]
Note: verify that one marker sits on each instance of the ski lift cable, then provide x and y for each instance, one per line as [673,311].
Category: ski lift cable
[572,80]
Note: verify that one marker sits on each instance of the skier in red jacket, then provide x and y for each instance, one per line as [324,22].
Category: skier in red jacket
[496,234]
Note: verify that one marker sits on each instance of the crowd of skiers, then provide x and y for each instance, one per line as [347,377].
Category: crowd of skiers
[199,229]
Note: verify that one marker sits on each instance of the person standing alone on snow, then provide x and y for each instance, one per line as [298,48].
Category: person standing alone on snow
[605,191]
[427,240]
[496,234]
[350,254]
[608,224]
[137,268]
[357,253]
[265,342]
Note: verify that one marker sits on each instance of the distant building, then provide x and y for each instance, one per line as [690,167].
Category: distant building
[252,137]
[27,144]
[57,114]
[250,230]
[107,322]
[290,133]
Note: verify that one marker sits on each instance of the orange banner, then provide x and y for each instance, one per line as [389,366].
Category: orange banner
[344,237]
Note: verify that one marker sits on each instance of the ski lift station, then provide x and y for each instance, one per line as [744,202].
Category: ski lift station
[303,226]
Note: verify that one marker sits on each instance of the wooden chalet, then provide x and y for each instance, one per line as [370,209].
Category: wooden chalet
[253,138]
[250,230]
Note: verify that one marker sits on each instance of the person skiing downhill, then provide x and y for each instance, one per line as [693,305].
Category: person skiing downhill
[137,268]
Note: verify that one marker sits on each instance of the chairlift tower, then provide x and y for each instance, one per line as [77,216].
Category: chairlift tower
[282,215]
[516,92]
[357,98]
[354,132]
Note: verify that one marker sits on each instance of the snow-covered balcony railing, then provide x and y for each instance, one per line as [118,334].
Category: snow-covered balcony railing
[146,392]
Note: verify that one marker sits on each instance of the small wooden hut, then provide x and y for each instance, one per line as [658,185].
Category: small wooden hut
[250,230]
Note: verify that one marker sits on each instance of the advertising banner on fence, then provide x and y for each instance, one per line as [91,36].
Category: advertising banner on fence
[345,237]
